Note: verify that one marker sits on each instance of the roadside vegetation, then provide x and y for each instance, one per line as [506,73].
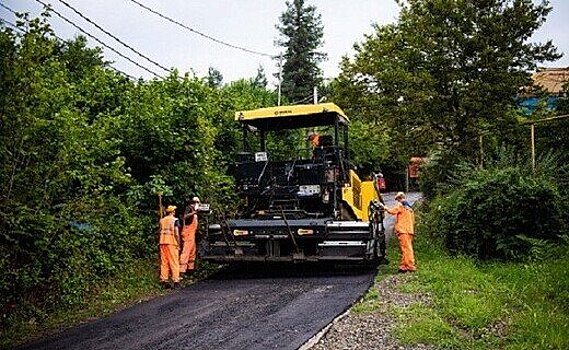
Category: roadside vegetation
[137,283]
[493,261]
[485,305]
[466,303]
[85,152]
[493,247]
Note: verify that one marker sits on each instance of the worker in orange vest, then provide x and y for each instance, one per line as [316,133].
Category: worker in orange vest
[404,229]
[188,258]
[169,243]
[314,139]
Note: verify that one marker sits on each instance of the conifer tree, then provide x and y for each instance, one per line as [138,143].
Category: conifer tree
[301,35]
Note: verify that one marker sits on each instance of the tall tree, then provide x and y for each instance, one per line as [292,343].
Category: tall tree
[83,153]
[301,35]
[214,78]
[260,79]
[448,71]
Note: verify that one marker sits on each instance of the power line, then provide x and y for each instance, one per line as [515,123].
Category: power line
[130,77]
[200,33]
[7,8]
[113,36]
[12,25]
[98,40]
[60,39]
[303,100]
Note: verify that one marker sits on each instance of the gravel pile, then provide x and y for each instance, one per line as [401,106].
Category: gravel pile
[373,330]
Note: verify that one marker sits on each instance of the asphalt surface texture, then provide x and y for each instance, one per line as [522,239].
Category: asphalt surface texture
[271,308]
[243,307]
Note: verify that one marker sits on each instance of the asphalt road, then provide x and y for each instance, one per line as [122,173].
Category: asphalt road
[279,310]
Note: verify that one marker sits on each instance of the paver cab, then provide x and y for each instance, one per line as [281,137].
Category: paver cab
[313,207]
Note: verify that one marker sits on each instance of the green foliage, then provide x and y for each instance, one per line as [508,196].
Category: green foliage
[436,175]
[563,102]
[501,212]
[260,80]
[84,152]
[214,78]
[445,73]
[369,303]
[474,305]
[301,33]
[425,326]
[554,134]
[369,145]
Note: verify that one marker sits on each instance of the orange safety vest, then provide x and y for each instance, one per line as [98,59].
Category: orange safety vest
[168,231]
[315,141]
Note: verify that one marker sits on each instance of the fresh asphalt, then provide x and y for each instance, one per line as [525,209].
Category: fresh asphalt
[278,309]
[253,307]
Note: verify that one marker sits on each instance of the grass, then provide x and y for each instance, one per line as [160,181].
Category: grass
[511,306]
[499,305]
[135,285]
[368,304]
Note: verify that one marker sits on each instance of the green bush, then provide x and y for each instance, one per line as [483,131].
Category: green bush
[498,213]
[84,152]
[435,174]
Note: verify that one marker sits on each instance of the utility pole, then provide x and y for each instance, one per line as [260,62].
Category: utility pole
[280,78]
[315,93]
[532,133]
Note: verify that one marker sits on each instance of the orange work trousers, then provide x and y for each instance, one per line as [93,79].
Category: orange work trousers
[169,262]
[407,257]
[188,258]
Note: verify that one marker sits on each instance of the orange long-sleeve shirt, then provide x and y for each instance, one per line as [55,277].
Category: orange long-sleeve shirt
[404,218]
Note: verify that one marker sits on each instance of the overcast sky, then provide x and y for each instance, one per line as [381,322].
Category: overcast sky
[246,23]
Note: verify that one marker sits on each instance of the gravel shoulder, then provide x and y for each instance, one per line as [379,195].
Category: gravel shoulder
[373,327]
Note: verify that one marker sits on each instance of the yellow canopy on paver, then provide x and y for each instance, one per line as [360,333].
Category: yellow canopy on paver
[293,117]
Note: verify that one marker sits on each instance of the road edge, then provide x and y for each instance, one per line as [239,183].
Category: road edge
[307,345]
[316,338]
